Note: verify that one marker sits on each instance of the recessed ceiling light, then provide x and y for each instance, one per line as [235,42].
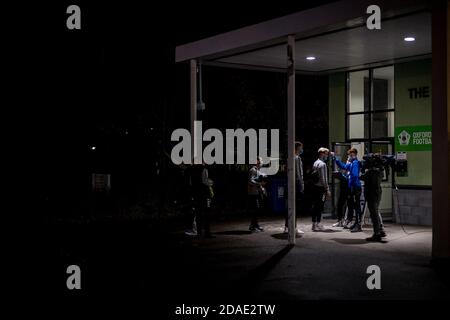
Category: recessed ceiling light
[311,58]
[409,39]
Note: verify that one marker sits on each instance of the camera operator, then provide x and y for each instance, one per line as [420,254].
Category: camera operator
[353,168]
[372,176]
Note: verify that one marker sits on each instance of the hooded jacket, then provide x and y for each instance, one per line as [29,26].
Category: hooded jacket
[353,167]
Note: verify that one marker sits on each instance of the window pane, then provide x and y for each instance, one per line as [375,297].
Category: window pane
[382,148]
[383,88]
[358,91]
[358,126]
[383,124]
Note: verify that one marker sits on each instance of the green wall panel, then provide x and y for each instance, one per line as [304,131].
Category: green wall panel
[336,107]
[412,111]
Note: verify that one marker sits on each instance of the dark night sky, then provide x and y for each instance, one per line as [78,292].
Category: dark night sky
[118,73]
[124,54]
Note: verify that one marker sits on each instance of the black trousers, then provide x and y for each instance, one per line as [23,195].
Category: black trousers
[354,204]
[203,216]
[373,198]
[344,193]
[254,207]
[318,202]
[189,214]
[298,207]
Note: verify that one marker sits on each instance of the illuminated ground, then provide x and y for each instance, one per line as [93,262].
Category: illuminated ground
[138,259]
[325,265]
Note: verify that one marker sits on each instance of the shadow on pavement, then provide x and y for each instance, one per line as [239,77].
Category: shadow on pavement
[350,241]
[329,231]
[259,273]
[233,232]
[283,236]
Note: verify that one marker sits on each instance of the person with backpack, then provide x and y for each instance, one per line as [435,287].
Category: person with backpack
[353,167]
[203,194]
[256,194]
[320,188]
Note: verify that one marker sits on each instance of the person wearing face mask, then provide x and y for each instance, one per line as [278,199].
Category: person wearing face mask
[299,187]
[353,168]
[320,190]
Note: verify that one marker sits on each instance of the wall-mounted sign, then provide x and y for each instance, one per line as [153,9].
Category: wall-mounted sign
[415,138]
[401,165]
[418,93]
[402,156]
[101,182]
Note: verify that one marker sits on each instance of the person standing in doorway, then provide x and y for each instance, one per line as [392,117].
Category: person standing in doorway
[299,188]
[320,190]
[354,201]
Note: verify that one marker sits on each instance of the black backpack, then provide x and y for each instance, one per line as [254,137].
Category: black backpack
[313,176]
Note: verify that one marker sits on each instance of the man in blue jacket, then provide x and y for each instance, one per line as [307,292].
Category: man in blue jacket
[353,168]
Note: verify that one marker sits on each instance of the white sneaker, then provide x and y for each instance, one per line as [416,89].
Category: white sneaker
[299,231]
[314,226]
[320,227]
[340,223]
[191,233]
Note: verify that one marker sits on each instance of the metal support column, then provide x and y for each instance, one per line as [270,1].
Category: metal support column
[291,138]
[193,72]
[441,133]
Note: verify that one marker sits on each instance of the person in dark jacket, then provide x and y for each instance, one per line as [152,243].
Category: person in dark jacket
[372,178]
[353,167]
[186,199]
[203,195]
[256,193]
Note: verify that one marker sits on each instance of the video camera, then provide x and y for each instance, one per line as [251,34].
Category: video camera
[372,160]
[386,162]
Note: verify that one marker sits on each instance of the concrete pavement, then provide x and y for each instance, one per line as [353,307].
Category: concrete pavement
[322,265]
